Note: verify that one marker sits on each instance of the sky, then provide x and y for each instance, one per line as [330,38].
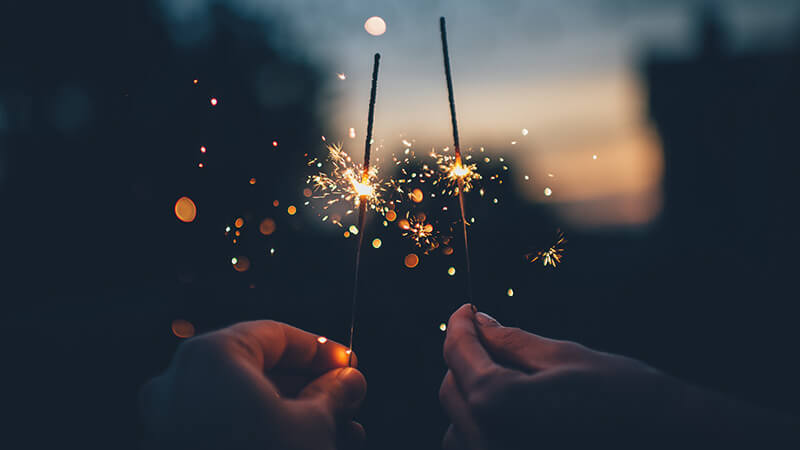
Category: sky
[565,71]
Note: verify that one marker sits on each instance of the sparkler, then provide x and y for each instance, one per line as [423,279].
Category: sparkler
[365,192]
[551,256]
[457,172]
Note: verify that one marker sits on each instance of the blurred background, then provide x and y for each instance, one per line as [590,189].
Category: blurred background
[659,136]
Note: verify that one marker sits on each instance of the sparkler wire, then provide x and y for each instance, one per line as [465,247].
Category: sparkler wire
[363,201]
[457,145]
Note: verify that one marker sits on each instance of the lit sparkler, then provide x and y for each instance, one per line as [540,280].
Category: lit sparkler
[459,172]
[348,183]
[551,256]
[366,194]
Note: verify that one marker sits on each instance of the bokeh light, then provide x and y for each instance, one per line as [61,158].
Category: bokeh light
[391,215]
[242,264]
[451,271]
[292,210]
[182,328]
[239,222]
[510,292]
[443,326]
[376,243]
[213,101]
[411,260]
[416,195]
[185,209]
[322,339]
[267,226]
[375,26]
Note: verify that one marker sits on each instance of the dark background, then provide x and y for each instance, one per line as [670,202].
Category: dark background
[100,136]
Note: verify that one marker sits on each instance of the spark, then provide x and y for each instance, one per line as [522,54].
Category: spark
[341,76]
[418,230]
[347,183]
[551,256]
[455,174]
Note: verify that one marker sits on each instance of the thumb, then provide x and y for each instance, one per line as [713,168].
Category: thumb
[340,391]
[512,346]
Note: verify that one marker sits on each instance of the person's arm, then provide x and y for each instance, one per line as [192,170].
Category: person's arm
[506,388]
[255,385]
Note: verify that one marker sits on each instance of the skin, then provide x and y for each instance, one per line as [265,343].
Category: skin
[255,385]
[507,388]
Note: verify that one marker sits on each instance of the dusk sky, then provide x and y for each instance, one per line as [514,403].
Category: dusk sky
[564,71]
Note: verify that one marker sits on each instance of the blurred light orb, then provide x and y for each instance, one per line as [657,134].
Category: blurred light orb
[200,165]
[182,328]
[213,101]
[443,326]
[416,196]
[341,77]
[234,260]
[391,215]
[352,133]
[376,243]
[524,131]
[242,264]
[239,223]
[510,292]
[353,229]
[185,209]
[346,234]
[375,26]
[307,192]
[274,143]
[252,181]
[447,251]
[267,226]
[292,210]
[548,192]
[322,339]
[594,156]
[276,203]
[451,271]
[202,149]
[411,260]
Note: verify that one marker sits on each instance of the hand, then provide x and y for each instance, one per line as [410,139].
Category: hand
[259,385]
[506,388]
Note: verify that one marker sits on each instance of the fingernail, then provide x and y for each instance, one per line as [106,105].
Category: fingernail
[486,320]
[353,384]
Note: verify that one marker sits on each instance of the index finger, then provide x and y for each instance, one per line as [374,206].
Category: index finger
[276,345]
[463,352]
